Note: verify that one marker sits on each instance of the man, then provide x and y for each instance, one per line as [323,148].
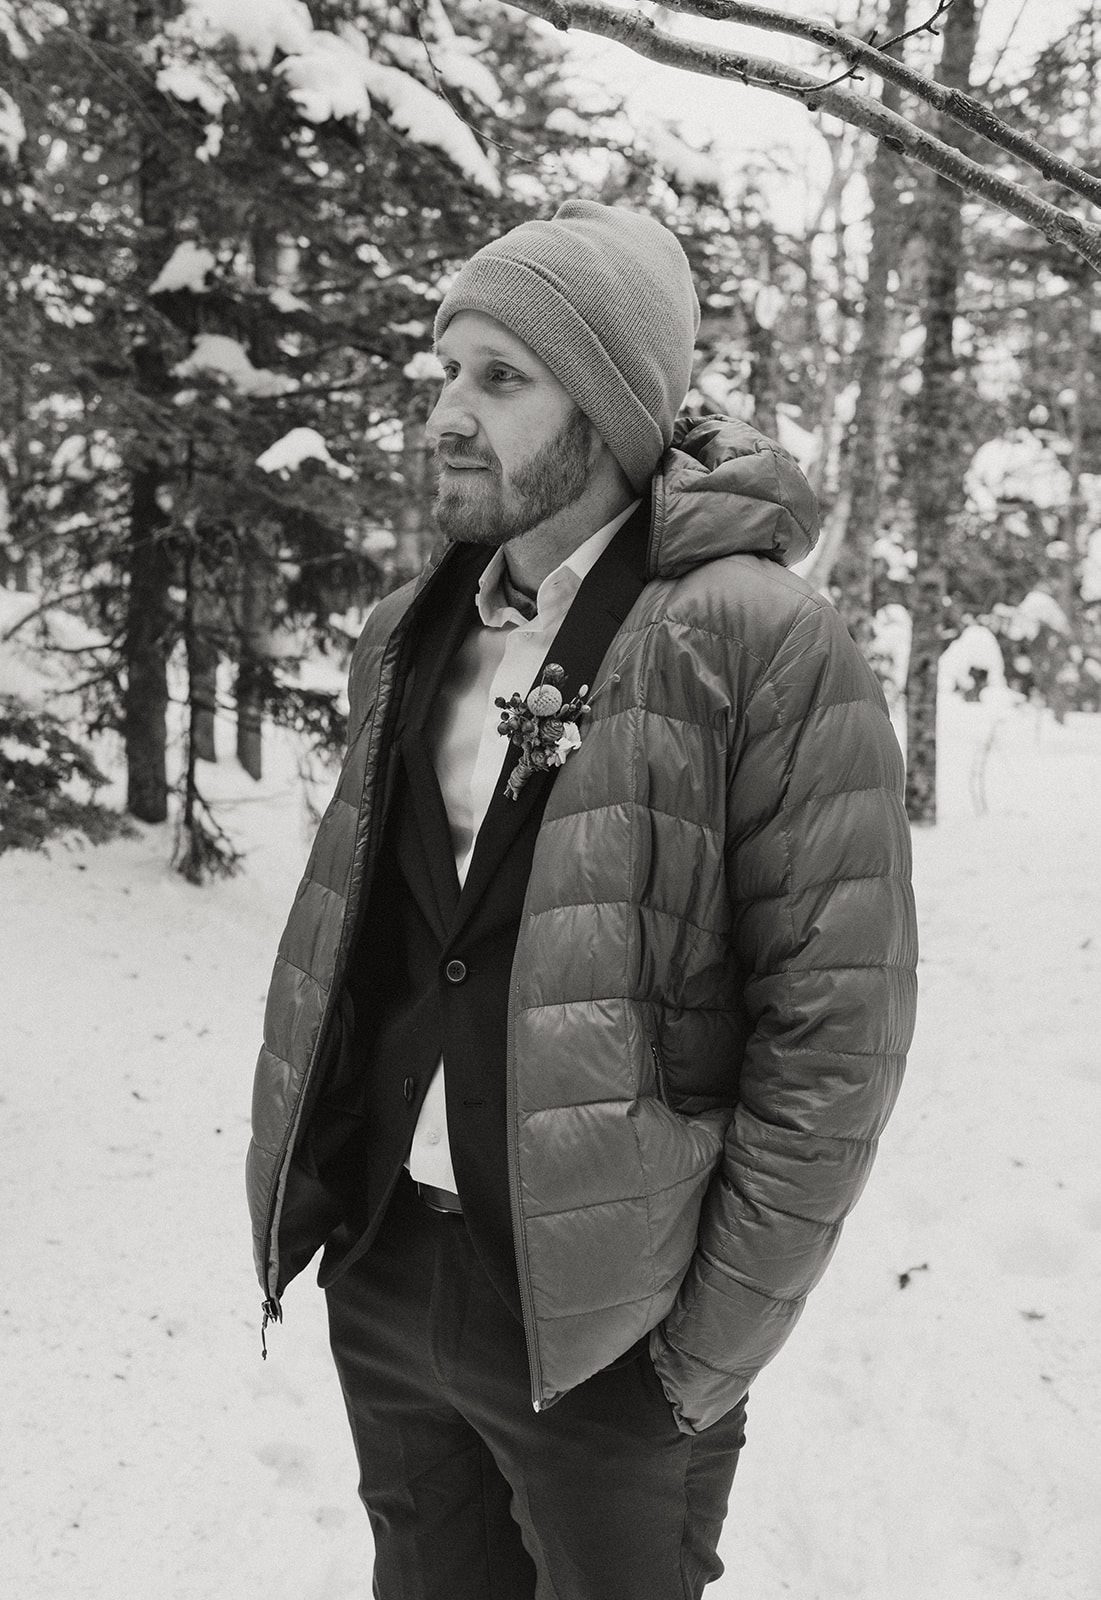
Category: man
[596,993]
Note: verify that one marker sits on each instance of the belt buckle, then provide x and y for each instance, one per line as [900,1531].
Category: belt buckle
[441,1201]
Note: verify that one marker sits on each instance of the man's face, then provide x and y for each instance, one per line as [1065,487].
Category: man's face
[511,447]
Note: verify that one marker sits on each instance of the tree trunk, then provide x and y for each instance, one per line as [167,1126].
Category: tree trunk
[255,585]
[202,672]
[1073,518]
[936,466]
[250,673]
[877,343]
[764,377]
[148,638]
[201,638]
[415,530]
[146,646]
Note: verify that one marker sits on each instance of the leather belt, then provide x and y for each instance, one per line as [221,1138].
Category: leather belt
[441,1200]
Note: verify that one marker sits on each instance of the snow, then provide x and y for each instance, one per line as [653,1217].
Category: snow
[200,82]
[941,1438]
[258,28]
[975,650]
[893,633]
[186,268]
[15,750]
[685,167]
[1091,569]
[13,130]
[326,80]
[225,357]
[566,121]
[35,675]
[453,56]
[300,444]
[768,302]
[24,22]
[798,441]
[428,119]
[1037,610]
[901,563]
[331,76]
[283,300]
[424,367]
[369,541]
[70,459]
[1017,467]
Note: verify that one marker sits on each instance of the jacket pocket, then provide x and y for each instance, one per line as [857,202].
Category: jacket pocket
[660,1078]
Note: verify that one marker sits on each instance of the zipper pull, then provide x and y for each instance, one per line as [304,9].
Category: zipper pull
[659,1073]
[273,1312]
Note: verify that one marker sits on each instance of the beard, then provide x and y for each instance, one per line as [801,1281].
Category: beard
[478,507]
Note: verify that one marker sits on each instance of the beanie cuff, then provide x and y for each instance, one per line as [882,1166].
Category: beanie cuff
[532,306]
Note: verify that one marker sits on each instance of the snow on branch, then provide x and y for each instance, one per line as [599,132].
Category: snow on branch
[287,454]
[638,31]
[330,76]
[12,128]
[186,268]
[222,357]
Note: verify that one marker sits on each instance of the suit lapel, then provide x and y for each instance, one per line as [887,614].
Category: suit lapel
[425,848]
[599,609]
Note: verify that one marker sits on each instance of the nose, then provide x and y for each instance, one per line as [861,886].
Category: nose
[450,415]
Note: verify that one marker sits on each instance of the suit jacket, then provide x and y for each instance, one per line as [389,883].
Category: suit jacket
[430,968]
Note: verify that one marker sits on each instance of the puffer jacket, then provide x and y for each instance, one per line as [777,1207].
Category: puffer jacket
[713,986]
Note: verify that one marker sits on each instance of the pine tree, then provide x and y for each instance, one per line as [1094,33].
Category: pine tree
[227,248]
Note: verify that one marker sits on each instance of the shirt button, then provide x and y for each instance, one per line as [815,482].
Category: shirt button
[455,971]
[433,1136]
[408,1089]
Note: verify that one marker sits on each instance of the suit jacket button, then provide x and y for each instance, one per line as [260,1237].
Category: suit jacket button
[455,971]
[409,1089]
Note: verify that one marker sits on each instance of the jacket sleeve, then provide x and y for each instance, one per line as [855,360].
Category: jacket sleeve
[823,936]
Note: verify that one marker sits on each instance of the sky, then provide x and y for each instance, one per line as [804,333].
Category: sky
[741,121]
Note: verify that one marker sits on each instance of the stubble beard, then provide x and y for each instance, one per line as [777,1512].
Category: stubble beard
[475,509]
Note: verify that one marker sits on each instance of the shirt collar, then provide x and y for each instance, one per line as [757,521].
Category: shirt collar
[558,588]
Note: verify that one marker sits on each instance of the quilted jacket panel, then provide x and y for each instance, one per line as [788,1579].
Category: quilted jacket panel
[713,989]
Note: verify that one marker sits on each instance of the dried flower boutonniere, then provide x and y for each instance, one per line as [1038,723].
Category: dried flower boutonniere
[543,725]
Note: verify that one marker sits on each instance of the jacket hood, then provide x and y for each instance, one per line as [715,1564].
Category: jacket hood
[724,489]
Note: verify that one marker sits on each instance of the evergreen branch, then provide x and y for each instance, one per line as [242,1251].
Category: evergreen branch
[639,34]
[46,603]
[441,91]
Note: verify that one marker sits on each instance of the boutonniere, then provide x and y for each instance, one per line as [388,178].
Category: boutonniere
[543,726]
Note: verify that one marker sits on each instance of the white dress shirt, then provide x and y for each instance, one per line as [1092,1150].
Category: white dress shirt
[501,657]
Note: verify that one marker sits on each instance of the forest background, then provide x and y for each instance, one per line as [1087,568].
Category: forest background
[226,227]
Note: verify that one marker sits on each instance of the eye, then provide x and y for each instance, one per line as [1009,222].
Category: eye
[499,374]
[450,370]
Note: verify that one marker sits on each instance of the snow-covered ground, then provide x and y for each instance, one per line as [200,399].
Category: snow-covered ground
[933,1428]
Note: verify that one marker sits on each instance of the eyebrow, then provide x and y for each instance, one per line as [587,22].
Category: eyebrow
[491,350]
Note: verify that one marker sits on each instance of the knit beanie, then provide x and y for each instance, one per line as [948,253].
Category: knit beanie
[604,297]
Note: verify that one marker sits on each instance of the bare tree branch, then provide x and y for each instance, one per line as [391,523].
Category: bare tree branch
[636,30]
[873,54]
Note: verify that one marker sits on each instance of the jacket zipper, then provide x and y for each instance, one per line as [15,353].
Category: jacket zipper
[523,1265]
[271,1306]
